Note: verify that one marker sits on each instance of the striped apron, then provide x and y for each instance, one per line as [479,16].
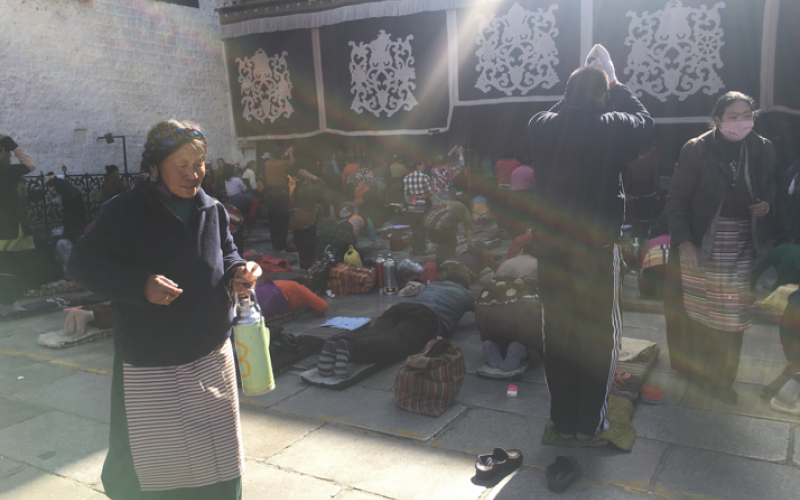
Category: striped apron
[716,295]
[183,422]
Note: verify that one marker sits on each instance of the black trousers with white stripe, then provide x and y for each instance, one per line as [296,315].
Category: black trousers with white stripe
[580,289]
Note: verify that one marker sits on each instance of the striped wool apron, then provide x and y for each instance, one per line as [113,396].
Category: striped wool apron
[183,422]
[716,295]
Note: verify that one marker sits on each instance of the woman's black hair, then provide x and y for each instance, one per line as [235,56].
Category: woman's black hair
[726,100]
[528,247]
[154,158]
[587,81]
[111,169]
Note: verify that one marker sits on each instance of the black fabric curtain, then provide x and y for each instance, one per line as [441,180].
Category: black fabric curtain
[386,74]
[273,85]
[787,56]
[517,48]
[679,56]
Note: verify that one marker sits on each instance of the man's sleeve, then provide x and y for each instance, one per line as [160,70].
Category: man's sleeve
[629,116]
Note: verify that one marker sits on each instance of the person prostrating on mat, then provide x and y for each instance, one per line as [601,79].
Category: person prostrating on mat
[579,149]
[405,328]
[163,253]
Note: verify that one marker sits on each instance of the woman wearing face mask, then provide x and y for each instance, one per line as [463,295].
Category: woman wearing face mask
[722,189]
[163,253]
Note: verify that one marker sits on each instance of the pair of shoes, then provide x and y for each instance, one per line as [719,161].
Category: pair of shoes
[327,359]
[562,473]
[499,462]
[340,368]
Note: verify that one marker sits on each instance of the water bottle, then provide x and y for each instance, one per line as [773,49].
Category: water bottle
[252,346]
[390,282]
[379,271]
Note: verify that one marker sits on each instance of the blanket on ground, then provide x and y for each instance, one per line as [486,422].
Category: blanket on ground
[621,434]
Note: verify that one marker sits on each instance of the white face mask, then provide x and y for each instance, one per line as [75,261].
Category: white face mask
[737,130]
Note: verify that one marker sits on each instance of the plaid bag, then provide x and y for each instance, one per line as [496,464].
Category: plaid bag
[429,381]
[345,279]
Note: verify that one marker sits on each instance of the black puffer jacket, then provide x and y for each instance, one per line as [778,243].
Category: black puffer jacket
[578,154]
[701,180]
[136,235]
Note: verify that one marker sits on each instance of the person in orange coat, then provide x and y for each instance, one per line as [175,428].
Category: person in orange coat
[299,296]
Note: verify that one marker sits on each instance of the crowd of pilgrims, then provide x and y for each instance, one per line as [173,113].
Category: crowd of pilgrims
[169,255]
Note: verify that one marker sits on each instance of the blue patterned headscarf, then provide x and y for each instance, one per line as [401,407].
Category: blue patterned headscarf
[170,139]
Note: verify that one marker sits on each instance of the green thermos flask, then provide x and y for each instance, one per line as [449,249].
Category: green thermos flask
[252,346]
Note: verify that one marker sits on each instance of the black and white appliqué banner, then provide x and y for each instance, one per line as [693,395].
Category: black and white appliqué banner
[387,74]
[380,72]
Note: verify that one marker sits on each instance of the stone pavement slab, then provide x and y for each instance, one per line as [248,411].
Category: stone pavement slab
[13,411]
[716,431]
[8,362]
[263,481]
[34,375]
[382,465]
[529,484]
[659,336]
[759,371]
[266,433]
[758,349]
[749,403]
[67,445]
[473,356]
[356,495]
[84,394]
[703,474]
[384,379]
[367,409]
[42,323]
[643,320]
[533,399]
[796,455]
[31,484]
[287,384]
[97,360]
[480,431]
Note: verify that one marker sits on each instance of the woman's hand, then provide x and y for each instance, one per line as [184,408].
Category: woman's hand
[688,256]
[759,209]
[160,290]
[244,278]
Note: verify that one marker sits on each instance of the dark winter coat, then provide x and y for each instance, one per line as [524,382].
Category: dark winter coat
[136,236]
[579,152]
[701,180]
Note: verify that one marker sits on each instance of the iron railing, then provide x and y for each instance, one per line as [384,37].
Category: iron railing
[44,211]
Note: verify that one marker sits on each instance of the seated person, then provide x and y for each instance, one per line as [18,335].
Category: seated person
[508,313]
[300,296]
[405,328]
[785,259]
[523,265]
[441,225]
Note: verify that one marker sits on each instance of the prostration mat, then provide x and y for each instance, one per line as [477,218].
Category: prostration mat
[621,434]
[487,371]
[357,373]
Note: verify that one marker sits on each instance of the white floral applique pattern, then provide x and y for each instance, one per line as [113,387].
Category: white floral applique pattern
[517,52]
[266,86]
[675,51]
[382,75]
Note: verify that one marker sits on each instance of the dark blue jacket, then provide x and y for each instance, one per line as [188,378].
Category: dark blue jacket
[579,151]
[135,236]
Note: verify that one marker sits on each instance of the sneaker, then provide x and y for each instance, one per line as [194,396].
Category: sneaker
[327,359]
[342,359]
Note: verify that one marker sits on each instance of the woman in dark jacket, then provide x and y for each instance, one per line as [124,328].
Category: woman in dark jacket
[162,251]
[722,188]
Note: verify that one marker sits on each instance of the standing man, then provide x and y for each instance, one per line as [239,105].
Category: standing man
[277,196]
[578,149]
[417,190]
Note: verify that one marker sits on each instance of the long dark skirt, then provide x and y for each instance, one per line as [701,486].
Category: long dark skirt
[119,476]
[706,355]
